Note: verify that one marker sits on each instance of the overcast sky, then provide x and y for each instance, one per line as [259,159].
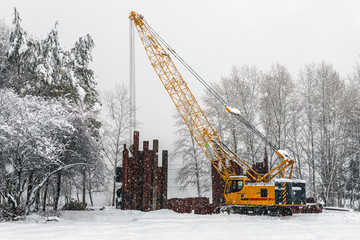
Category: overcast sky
[212,36]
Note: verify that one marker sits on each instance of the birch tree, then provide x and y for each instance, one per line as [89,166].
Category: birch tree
[307,84]
[278,101]
[116,128]
[241,90]
[330,91]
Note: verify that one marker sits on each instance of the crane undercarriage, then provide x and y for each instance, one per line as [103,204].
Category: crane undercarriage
[255,210]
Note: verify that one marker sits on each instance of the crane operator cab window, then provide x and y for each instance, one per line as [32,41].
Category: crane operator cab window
[234,186]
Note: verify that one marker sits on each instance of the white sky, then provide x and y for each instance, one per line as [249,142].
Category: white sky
[212,36]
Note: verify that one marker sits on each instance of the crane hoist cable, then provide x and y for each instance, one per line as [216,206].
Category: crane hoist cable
[187,66]
[236,114]
[205,135]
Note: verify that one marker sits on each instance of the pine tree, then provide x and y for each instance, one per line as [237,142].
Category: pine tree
[4,48]
[18,56]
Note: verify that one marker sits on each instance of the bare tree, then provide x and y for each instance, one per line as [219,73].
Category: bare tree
[278,94]
[353,138]
[116,127]
[195,171]
[307,83]
[240,89]
[324,130]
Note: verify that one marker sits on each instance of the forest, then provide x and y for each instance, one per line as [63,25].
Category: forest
[55,145]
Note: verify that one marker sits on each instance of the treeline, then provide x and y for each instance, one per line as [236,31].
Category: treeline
[50,144]
[315,116]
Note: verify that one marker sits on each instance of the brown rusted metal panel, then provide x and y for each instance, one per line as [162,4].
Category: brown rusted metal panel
[154,173]
[218,186]
[165,177]
[156,145]
[198,205]
[159,188]
[188,205]
[144,184]
[134,171]
[204,203]
[139,199]
[146,204]
[151,182]
[238,170]
[124,177]
[130,183]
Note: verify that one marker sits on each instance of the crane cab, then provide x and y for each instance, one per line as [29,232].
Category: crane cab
[239,190]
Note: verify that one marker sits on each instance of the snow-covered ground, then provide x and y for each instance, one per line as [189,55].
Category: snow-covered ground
[165,224]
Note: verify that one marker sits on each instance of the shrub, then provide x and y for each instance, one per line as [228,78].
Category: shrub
[75,205]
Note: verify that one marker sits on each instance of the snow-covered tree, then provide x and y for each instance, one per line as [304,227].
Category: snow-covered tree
[41,67]
[4,48]
[17,57]
[33,139]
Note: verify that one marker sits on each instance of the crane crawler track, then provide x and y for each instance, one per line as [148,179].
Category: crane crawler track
[274,211]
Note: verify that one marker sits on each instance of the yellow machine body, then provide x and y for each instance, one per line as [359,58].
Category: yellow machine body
[240,191]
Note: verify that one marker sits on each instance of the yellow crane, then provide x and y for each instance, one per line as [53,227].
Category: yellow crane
[253,193]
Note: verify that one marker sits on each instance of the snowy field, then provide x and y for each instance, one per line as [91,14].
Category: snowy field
[165,224]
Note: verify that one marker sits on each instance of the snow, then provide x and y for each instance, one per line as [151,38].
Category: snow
[283,180]
[339,209]
[284,153]
[238,176]
[233,110]
[9,168]
[299,181]
[165,224]
[82,93]
[260,184]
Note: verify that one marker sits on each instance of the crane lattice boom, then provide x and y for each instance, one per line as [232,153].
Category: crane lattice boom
[208,139]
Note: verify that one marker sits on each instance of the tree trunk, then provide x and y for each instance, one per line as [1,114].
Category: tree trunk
[114,191]
[58,189]
[84,186]
[29,189]
[37,201]
[90,190]
[90,196]
[45,196]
